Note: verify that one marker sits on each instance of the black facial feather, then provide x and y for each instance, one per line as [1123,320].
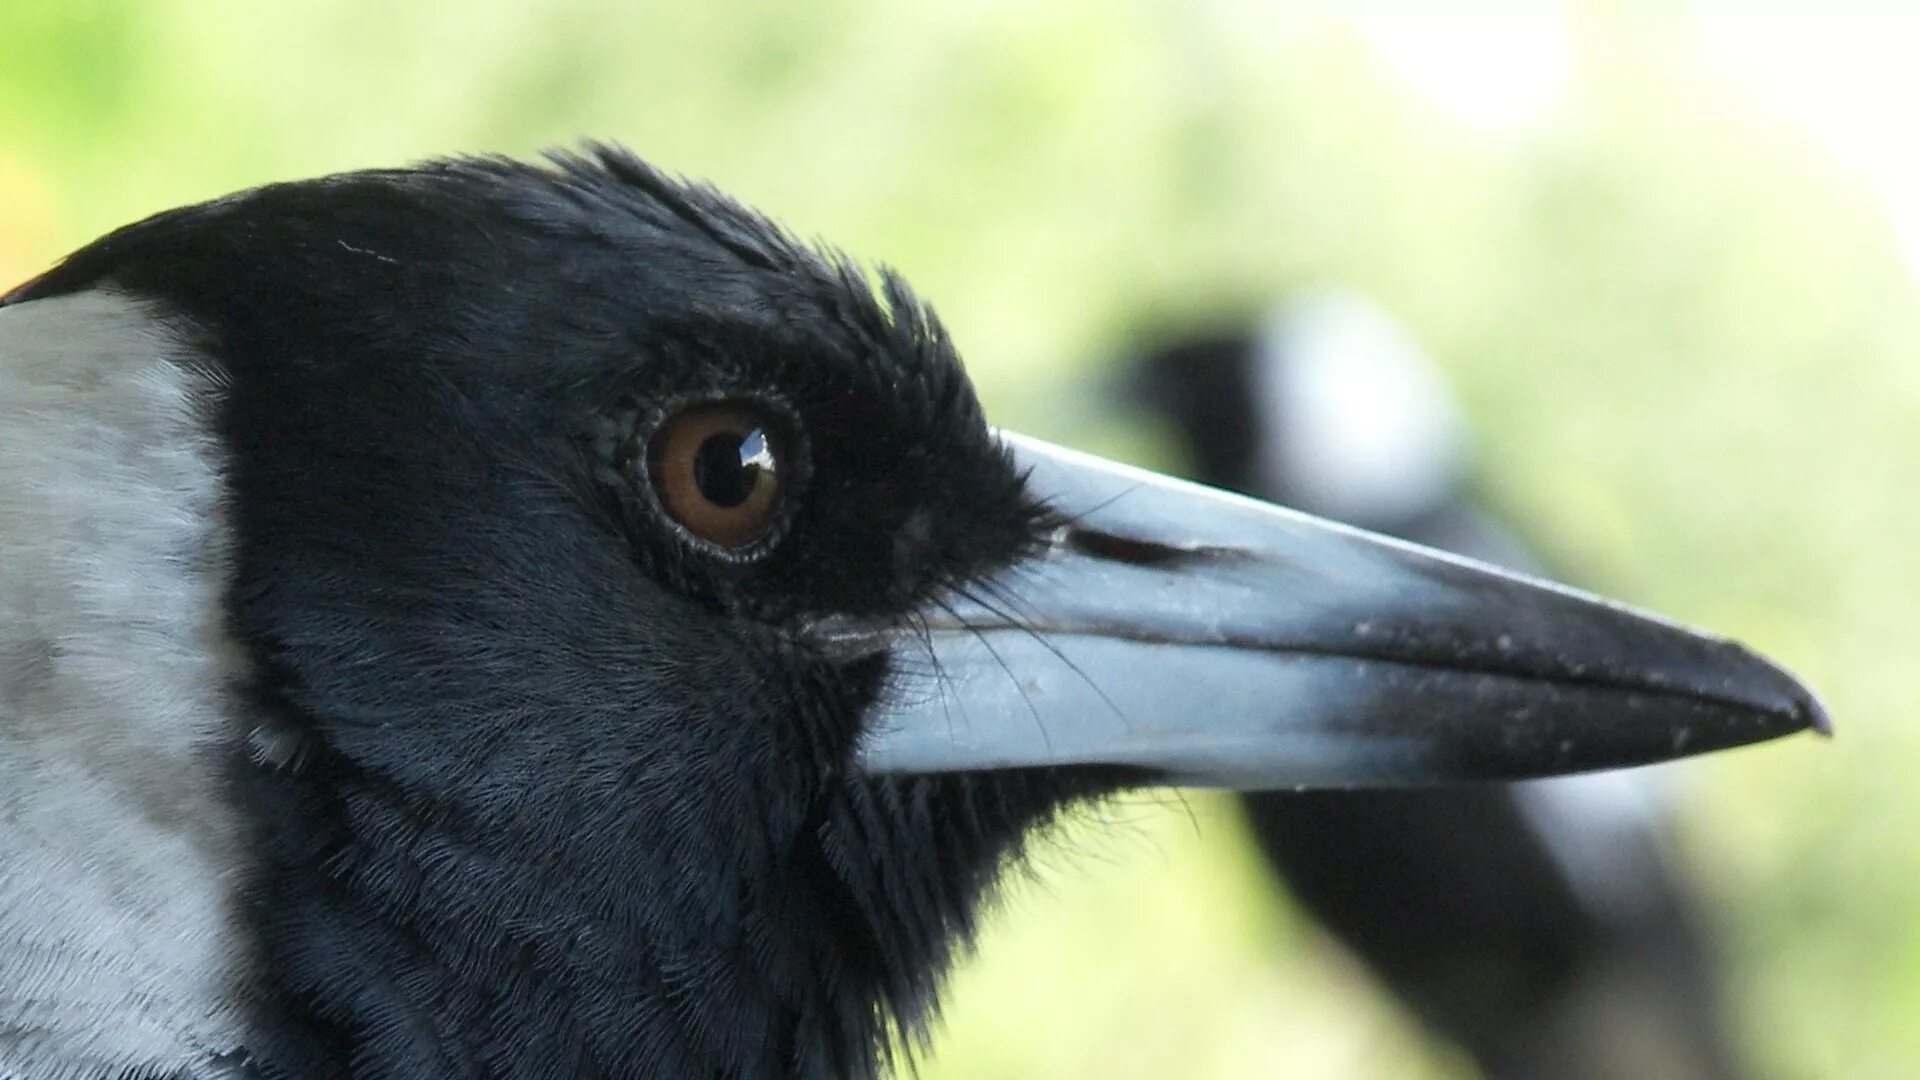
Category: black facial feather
[566,796]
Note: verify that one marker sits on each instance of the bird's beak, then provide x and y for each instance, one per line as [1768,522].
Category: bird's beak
[1210,639]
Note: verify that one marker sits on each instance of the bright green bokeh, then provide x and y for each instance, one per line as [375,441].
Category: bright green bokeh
[1689,345]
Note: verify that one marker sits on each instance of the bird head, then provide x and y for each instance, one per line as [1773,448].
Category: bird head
[647,654]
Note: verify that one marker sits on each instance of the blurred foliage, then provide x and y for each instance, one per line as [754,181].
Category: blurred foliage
[1689,345]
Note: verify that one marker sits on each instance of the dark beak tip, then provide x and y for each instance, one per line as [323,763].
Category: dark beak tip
[1813,714]
[1800,707]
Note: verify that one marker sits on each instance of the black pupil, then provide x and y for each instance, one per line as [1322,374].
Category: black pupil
[728,465]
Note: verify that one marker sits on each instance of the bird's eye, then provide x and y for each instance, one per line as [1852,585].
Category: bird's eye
[718,470]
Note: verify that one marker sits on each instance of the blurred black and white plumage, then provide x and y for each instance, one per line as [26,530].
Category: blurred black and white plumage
[1544,927]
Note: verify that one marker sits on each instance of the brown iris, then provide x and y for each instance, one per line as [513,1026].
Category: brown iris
[717,470]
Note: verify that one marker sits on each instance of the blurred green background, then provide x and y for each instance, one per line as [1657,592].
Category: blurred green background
[1686,333]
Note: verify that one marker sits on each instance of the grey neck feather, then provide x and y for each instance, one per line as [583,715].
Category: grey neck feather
[120,952]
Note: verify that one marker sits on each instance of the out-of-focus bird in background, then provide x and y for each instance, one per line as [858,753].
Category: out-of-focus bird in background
[1543,927]
[504,620]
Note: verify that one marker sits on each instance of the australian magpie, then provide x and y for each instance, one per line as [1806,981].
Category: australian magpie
[1541,926]
[492,619]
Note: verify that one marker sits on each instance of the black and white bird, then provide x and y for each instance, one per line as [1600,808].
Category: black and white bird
[501,620]
[1543,927]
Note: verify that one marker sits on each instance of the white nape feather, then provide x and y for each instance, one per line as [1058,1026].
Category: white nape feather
[1602,831]
[1355,423]
[119,952]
